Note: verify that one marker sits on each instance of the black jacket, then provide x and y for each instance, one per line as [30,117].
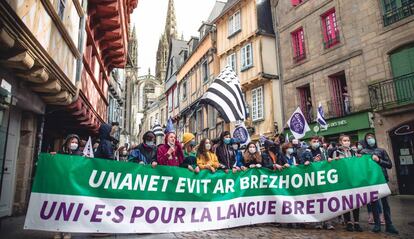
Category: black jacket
[226,155]
[384,162]
[105,149]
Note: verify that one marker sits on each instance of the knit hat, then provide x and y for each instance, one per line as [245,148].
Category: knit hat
[187,137]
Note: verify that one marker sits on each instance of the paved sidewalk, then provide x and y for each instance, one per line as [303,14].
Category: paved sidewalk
[402,208]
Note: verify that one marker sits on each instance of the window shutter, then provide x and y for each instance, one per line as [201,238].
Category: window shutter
[295,2]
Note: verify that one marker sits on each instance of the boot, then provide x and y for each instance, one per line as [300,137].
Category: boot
[357,227]
[349,227]
[376,229]
[391,229]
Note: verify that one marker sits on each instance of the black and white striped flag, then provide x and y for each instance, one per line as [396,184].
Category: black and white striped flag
[157,129]
[225,95]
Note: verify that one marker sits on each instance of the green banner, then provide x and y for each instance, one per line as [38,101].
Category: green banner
[67,184]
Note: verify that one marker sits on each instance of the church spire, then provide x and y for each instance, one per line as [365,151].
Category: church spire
[171,22]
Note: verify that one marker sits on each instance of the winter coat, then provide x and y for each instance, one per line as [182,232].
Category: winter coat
[226,155]
[384,159]
[291,160]
[310,153]
[105,149]
[239,158]
[143,153]
[211,159]
[250,159]
[175,159]
[190,159]
[341,152]
[65,150]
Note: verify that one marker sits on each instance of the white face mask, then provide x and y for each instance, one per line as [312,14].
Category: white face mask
[252,150]
[235,147]
[73,146]
[208,146]
[289,150]
[124,152]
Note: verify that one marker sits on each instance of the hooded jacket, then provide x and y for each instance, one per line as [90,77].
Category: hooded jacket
[65,150]
[105,149]
[225,153]
[143,152]
[384,159]
[175,159]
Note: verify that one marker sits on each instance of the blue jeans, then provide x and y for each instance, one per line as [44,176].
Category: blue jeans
[386,209]
[369,208]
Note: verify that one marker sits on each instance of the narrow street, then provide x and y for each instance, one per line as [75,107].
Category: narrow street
[402,208]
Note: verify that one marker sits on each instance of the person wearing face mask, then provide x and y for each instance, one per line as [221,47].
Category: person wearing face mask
[235,144]
[121,154]
[252,156]
[289,158]
[380,156]
[313,153]
[190,156]
[225,152]
[206,159]
[71,145]
[345,151]
[170,153]
[145,152]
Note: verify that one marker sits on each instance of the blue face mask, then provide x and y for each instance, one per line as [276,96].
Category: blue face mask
[371,142]
[315,145]
[227,141]
[150,143]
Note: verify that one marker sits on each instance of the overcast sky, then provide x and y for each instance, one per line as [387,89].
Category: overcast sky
[149,18]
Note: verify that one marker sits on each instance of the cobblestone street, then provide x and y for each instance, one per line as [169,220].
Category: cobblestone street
[402,208]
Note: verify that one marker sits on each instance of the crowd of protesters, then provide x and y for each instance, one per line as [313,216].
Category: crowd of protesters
[225,153]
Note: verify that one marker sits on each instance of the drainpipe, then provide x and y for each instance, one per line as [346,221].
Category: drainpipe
[279,65]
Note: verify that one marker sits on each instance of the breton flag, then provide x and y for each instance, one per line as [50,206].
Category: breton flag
[157,129]
[225,95]
[298,124]
[321,118]
[88,150]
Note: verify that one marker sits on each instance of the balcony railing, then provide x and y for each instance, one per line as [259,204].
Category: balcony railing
[339,108]
[397,14]
[392,93]
[330,42]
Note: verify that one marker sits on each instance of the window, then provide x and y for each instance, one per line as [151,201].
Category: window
[175,95]
[396,10]
[199,120]
[170,99]
[298,42]
[257,103]
[232,61]
[184,90]
[234,24]
[306,102]
[330,29]
[212,116]
[151,121]
[340,103]
[246,55]
[61,9]
[204,68]
[297,2]
[157,117]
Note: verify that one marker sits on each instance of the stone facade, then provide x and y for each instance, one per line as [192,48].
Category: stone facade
[360,57]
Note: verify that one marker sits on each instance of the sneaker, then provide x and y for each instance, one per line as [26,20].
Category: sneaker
[370,219]
[330,227]
[349,227]
[391,229]
[376,229]
[357,227]
[319,226]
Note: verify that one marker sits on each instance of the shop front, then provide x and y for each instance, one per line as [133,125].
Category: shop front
[355,125]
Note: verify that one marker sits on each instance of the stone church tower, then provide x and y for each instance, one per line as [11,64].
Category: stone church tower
[170,32]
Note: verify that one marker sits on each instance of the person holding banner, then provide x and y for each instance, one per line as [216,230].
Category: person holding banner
[206,158]
[145,152]
[252,157]
[190,156]
[170,153]
[345,151]
[288,155]
[71,145]
[235,144]
[225,153]
[380,156]
[105,149]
